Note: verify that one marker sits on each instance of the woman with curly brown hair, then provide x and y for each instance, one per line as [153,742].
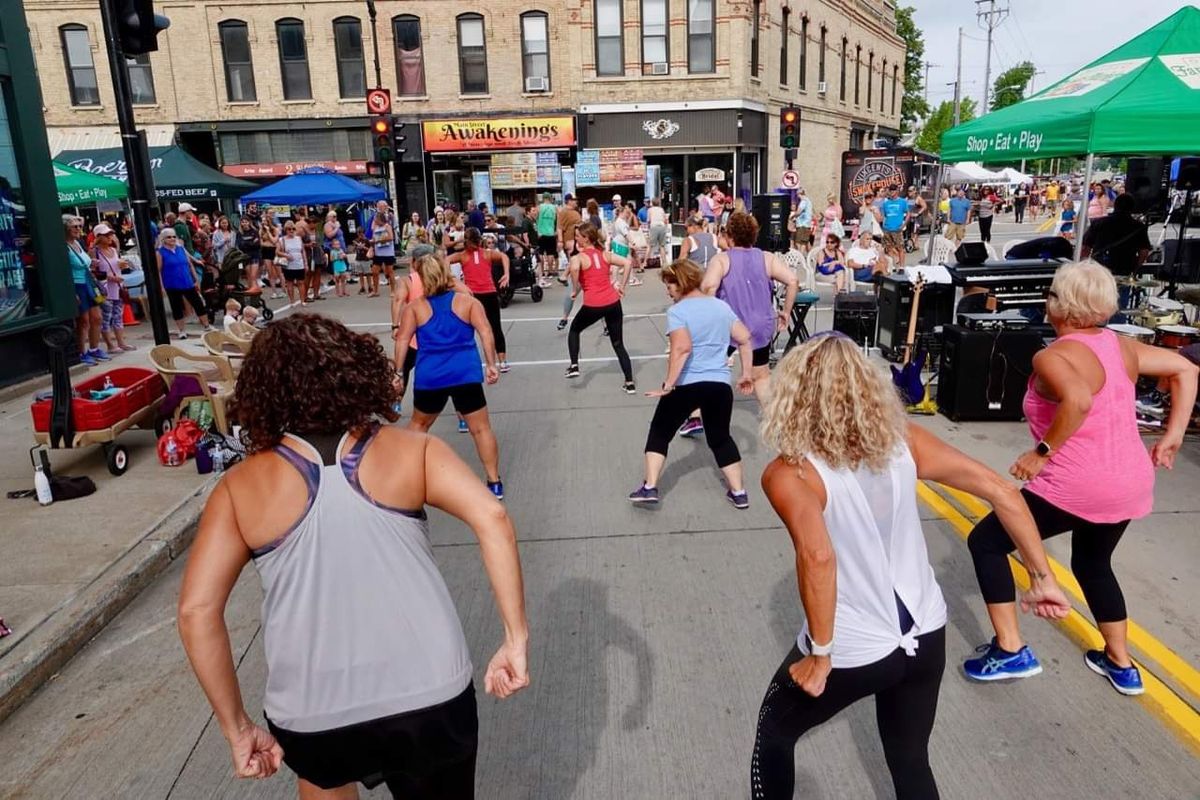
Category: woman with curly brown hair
[844,484]
[368,674]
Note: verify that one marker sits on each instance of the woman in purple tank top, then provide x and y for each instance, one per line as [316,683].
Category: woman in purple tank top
[1088,473]
[742,277]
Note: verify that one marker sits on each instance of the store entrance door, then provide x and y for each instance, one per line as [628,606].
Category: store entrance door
[451,187]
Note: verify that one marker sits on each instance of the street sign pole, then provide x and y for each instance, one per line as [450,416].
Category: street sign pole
[387,167]
[137,161]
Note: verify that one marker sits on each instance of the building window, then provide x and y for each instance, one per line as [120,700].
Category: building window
[882,84]
[655,43]
[895,80]
[410,59]
[804,52]
[348,50]
[293,59]
[857,74]
[610,45]
[870,79]
[783,46]
[821,55]
[845,48]
[535,48]
[857,139]
[472,55]
[81,70]
[239,69]
[141,79]
[755,14]
[702,46]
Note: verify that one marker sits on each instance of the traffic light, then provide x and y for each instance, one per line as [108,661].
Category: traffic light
[398,139]
[789,127]
[137,25]
[381,137]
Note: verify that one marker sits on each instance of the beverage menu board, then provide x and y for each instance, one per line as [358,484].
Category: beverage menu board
[610,167]
[525,170]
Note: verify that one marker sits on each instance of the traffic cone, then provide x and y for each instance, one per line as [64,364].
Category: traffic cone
[127,318]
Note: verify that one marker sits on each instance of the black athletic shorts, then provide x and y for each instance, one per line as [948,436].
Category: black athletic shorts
[293,274]
[468,398]
[548,245]
[384,261]
[428,753]
[761,356]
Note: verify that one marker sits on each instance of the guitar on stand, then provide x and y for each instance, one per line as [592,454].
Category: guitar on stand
[907,377]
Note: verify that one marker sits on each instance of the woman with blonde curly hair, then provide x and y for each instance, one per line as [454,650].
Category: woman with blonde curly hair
[1088,472]
[844,484]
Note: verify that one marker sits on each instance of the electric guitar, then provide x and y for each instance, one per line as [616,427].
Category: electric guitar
[907,377]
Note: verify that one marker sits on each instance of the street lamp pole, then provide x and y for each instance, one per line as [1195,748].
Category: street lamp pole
[387,167]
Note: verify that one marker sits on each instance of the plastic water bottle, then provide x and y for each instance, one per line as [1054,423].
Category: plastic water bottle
[218,459]
[41,485]
[108,384]
[172,453]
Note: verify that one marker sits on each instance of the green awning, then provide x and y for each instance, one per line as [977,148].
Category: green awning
[1141,99]
[176,174]
[77,188]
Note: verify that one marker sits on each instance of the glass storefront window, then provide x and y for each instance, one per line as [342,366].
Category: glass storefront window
[20,289]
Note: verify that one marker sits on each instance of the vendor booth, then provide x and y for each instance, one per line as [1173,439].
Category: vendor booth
[315,185]
[177,175]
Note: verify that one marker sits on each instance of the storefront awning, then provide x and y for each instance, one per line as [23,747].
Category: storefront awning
[78,188]
[177,175]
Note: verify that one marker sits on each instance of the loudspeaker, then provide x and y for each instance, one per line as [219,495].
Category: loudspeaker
[1185,268]
[1188,177]
[771,211]
[971,253]
[1146,180]
[895,305]
[854,314]
[983,374]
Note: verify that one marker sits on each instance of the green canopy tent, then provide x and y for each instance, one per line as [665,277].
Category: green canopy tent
[76,187]
[1143,98]
[176,174]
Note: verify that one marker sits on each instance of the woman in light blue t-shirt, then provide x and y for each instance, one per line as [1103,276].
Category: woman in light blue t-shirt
[699,328]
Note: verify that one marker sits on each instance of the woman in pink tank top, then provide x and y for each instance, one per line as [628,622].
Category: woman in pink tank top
[1088,473]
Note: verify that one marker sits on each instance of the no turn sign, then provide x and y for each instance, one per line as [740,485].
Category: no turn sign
[790,179]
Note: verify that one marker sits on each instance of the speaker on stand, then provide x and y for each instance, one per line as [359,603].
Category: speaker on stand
[771,212]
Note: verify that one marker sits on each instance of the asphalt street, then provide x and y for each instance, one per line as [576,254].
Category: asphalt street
[653,632]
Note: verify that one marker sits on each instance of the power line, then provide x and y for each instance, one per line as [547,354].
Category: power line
[989,19]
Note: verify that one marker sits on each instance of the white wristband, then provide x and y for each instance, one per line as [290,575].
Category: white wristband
[820,649]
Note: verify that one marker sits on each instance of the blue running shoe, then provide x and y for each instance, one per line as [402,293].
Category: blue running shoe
[1000,665]
[100,355]
[86,358]
[496,488]
[462,426]
[739,499]
[1126,680]
[645,495]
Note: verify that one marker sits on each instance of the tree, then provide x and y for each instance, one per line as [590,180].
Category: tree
[942,120]
[913,106]
[1010,87]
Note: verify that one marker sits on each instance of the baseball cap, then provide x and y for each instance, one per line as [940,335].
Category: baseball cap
[186,207]
[102,229]
[617,197]
[568,198]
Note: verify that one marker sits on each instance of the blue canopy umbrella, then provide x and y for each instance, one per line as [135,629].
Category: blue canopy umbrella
[314,185]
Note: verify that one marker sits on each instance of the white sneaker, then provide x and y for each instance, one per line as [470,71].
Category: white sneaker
[181,334]
[209,329]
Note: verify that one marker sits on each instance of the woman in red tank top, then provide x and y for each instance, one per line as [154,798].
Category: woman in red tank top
[476,261]
[591,273]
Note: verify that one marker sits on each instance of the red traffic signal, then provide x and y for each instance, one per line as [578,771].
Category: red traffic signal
[789,127]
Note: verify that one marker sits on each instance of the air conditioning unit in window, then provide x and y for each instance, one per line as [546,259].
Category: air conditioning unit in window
[537,84]
[822,87]
[660,68]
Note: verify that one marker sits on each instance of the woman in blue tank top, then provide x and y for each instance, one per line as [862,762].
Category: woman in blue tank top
[369,675]
[448,366]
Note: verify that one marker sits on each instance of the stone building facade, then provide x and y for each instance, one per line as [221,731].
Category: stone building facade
[260,88]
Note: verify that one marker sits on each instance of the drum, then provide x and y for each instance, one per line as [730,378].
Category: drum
[1176,336]
[1164,304]
[1145,335]
[1155,318]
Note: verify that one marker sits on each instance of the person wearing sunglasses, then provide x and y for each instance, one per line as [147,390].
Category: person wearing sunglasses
[88,297]
[179,281]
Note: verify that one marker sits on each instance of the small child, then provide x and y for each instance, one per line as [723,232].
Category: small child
[1067,228]
[341,269]
[250,316]
[233,312]
[362,261]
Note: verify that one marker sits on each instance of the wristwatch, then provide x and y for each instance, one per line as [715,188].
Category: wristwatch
[819,649]
[1043,449]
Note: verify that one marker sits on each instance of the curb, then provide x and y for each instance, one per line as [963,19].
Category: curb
[44,651]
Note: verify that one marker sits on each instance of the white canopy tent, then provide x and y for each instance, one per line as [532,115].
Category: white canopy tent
[978,174]
[1015,176]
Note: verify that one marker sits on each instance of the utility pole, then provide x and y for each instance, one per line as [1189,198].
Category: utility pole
[1032,78]
[927,66]
[387,167]
[989,20]
[958,80]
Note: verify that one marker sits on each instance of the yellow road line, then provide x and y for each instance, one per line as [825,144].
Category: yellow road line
[1170,662]
[1159,698]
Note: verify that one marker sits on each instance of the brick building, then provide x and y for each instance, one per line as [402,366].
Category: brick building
[260,88]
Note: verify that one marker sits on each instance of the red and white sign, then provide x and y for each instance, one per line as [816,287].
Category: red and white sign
[790,179]
[285,168]
[379,101]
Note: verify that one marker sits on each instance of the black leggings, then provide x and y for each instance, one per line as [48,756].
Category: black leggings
[614,319]
[906,697]
[985,229]
[176,297]
[410,361]
[491,307]
[1092,545]
[715,401]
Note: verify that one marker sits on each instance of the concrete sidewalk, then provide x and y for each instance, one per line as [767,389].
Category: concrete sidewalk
[67,569]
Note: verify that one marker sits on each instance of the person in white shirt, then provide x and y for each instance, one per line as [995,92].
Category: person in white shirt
[844,484]
[865,259]
[659,252]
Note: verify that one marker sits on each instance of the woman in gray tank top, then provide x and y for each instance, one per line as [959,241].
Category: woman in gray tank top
[699,245]
[368,674]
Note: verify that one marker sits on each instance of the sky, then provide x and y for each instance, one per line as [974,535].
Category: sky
[1058,36]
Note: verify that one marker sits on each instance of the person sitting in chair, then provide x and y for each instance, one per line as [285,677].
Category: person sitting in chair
[866,258]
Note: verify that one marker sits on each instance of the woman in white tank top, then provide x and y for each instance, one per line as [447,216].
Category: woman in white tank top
[844,485]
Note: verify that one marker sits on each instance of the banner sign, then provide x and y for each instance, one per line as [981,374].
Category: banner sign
[873,171]
[610,167]
[525,170]
[502,133]
[284,168]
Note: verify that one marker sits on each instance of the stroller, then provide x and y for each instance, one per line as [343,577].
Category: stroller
[227,284]
[521,274]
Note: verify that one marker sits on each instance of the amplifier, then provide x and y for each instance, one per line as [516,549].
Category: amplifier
[1005,320]
[771,212]
[895,303]
[982,374]
[854,314]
